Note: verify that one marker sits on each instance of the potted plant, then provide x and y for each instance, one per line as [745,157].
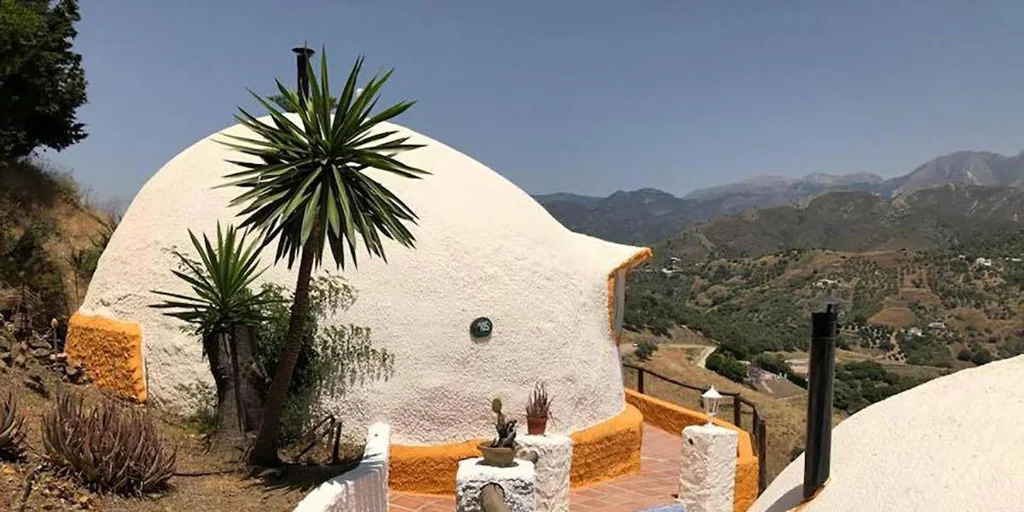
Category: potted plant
[538,409]
[502,451]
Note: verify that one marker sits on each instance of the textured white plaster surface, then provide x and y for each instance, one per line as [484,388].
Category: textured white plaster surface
[554,462]
[363,489]
[949,445]
[707,472]
[517,482]
[484,248]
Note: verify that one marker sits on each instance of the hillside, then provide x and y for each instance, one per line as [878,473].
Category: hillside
[945,216]
[647,215]
[918,314]
[50,240]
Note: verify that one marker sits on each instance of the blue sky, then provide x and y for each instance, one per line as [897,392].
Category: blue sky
[581,96]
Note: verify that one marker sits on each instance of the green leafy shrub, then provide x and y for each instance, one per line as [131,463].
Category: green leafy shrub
[727,366]
[201,399]
[108,446]
[773,363]
[645,349]
[331,359]
[981,356]
[964,354]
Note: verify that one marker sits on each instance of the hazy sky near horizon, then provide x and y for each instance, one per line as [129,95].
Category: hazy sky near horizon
[578,96]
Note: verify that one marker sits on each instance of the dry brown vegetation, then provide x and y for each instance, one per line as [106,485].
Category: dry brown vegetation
[220,486]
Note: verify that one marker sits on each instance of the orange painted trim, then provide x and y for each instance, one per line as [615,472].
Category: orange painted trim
[602,452]
[110,351]
[641,256]
[673,418]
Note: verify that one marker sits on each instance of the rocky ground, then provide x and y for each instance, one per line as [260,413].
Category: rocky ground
[36,373]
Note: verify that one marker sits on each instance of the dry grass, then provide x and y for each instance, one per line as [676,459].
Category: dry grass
[899,317]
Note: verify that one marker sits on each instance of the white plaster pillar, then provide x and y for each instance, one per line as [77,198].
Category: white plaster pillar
[517,481]
[554,462]
[707,473]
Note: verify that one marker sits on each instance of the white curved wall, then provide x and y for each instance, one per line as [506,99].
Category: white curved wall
[951,444]
[484,248]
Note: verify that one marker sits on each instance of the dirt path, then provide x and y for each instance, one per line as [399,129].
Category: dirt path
[703,358]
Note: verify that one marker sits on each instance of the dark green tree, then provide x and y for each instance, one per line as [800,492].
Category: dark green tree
[41,79]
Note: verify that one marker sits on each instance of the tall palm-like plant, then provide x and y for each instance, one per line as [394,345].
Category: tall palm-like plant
[221,305]
[307,190]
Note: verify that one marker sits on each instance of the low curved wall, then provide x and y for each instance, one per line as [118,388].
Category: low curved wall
[365,488]
[602,452]
[673,418]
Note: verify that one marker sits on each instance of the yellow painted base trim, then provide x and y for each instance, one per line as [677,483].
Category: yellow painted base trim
[673,418]
[605,451]
[111,352]
[639,257]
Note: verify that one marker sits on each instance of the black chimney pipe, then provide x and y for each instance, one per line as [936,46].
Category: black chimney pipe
[302,55]
[819,400]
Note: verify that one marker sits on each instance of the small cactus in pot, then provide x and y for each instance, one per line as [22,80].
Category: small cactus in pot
[502,450]
[538,410]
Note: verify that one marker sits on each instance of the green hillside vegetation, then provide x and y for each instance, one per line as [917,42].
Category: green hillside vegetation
[932,218]
[940,309]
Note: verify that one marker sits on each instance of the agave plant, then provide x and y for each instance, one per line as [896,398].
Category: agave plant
[12,430]
[108,446]
[306,189]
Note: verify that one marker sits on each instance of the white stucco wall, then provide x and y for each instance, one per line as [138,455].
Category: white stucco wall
[485,248]
[948,445]
[363,489]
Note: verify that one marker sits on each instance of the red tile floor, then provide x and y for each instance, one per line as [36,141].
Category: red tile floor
[654,486]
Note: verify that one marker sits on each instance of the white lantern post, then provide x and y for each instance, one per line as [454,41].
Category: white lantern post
[710,400]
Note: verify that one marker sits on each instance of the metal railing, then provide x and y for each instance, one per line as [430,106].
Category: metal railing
[758,429]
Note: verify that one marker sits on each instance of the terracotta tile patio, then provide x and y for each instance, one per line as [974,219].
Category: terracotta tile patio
[654,486]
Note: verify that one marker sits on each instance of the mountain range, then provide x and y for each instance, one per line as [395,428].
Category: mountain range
[647,215]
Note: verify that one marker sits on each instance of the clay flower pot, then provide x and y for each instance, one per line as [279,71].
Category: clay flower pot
[500,457]
[535,426]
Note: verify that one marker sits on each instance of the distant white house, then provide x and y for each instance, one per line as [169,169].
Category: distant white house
[822,283]
[937,325]
[915,331]
[983,262]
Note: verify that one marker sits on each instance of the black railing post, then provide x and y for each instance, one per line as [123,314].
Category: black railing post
[736,404]
[822,363]
[302,55]
[762,456]
[640,380]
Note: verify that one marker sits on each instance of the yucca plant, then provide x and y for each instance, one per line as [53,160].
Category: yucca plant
[12,430]
[222,303]
[108,446]
[306,188]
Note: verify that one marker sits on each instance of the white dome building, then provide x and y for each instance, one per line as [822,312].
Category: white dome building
[484,249]
[952,444]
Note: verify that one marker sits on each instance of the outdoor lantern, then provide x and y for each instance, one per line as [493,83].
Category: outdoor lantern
[710,398]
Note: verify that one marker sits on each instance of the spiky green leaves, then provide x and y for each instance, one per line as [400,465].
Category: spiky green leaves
[307,178]
[221,283]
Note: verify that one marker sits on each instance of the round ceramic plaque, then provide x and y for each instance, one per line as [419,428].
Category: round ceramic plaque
[481,327]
